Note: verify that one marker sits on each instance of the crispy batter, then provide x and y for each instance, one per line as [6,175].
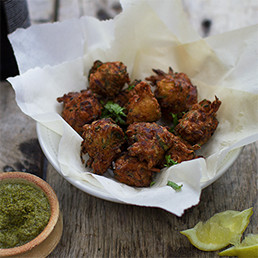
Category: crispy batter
[149,146]
[123,97]
[149,142]
[199,124]
[102,141]
[142,106]
[129,170]
[80,108]
[107,79]
[94,68]
[181,151]
[174,91]
[139,102]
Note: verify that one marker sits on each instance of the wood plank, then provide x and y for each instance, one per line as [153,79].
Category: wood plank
[98,228]
[19,147]
[41,11]
[68,9]
[223,15]
[102,9]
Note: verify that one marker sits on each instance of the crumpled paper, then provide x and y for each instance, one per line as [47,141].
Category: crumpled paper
[54,59]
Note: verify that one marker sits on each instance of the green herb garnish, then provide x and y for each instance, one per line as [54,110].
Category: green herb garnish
[130,87]
[174,185]
[175,122]
[134,83]
[169,162]
[152,183]
[114,111]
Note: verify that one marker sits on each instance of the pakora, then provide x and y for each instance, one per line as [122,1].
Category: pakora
[148,142]
[199,123]
[108,79]
[142,106]
[123,97]
[102,140]
[94,68]
[129,170]
[174,91]
[181,151]
[80,108]
[119,128]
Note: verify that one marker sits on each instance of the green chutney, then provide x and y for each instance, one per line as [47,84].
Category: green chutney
[24,213]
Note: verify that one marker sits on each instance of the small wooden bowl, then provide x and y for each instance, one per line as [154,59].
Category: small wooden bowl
[47,240]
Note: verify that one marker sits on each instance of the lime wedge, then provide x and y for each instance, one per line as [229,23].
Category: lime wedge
[222,229]
[248,248]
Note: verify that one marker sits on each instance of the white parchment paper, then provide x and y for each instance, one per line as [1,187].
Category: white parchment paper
[54,59]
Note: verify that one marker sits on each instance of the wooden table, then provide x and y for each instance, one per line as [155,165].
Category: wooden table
[98,228]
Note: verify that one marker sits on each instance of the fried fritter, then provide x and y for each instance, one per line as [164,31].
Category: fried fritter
[199,123]
[181,151]
[108,79]
[142,106]
[129,170]
[80,108]
[123,97]
[94,68]
[149,142]
[174,91]
[102,141]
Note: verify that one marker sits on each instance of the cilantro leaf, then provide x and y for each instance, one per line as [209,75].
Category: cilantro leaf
[174,185]
[114,111]
[152,183]
[133,84]
[131,87]
[175,122]
[169,162]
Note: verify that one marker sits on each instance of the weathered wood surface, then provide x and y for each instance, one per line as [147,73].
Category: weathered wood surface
[98,228]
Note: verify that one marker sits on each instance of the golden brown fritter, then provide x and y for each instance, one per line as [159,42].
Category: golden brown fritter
[129,170]
[149,146]
[199,123]
[102,141]
[123,97]
[181,151]
[108,79]
[80,108]
[149,142]
[94,68]
[142,106]
[174,91]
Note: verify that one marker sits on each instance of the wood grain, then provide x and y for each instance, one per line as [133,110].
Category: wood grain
[98,228]
[224,15]
[42,11]
[19,147]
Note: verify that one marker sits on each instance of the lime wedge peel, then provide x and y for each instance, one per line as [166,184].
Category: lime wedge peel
[220,230]
[248,248]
